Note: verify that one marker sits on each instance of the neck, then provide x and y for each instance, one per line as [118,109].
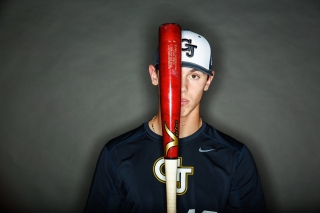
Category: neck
[188,124]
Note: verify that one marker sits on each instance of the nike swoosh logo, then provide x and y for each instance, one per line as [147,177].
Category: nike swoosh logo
[205,150]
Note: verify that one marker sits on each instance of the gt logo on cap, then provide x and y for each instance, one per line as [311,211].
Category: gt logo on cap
[190,47]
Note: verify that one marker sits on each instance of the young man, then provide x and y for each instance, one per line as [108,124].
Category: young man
[216,173]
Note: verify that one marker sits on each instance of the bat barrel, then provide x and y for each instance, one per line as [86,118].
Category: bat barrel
[170,86]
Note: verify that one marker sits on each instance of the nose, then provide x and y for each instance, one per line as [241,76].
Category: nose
[184,87]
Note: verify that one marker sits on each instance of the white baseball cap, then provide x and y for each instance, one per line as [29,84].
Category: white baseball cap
[195,52]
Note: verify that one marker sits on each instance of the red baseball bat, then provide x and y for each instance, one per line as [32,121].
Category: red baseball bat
[170,104]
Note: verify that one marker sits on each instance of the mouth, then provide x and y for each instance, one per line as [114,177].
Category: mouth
[184,101]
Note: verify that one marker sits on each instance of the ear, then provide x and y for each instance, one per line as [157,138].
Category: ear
[153,75]
[209,80]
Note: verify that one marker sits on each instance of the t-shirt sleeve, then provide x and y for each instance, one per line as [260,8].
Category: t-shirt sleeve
[246,193]
[104,194]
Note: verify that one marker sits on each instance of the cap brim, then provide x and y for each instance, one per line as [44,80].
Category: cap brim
[197,67]
[191,65]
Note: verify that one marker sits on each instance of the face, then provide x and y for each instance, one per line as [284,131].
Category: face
[193,84]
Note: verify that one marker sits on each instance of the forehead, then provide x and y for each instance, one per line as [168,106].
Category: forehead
[192,70]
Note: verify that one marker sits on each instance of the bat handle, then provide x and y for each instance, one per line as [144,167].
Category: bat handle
[171,184]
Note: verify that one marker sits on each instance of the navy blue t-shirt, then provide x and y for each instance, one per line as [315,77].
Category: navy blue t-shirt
[216,173]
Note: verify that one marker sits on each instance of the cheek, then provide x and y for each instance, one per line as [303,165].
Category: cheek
[198,86]
[197,91]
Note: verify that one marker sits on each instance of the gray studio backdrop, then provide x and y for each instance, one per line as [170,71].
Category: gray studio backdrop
[74,74]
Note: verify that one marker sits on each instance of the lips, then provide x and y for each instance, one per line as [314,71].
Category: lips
[184,101]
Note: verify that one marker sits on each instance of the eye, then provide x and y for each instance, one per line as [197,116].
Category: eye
[194,77]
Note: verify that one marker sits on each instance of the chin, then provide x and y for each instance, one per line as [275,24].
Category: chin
[184,114]
[186,111]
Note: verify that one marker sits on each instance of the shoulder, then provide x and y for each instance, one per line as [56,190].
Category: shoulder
[130,136]
[231,146]
[222,139]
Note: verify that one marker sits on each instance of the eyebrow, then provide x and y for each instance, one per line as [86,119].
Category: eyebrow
[193,70]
